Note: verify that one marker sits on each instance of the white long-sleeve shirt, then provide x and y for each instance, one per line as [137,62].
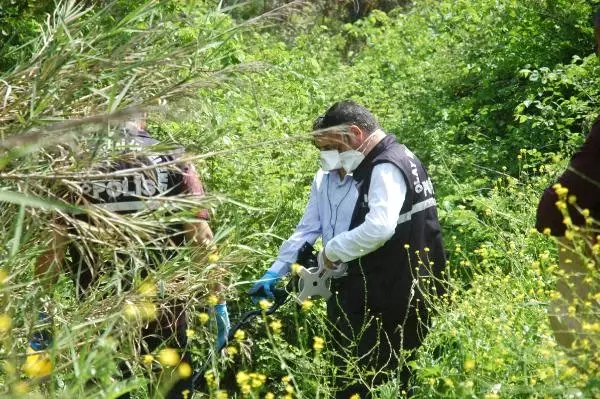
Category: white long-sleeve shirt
[329,212]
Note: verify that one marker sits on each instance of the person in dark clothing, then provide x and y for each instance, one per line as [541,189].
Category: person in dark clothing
[126,195]
[372,202]
[570,211]
[581,179]
[572,204]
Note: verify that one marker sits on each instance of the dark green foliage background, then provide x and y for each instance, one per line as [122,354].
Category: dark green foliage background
[492,95]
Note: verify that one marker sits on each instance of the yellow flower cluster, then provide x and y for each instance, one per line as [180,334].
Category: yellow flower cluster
[240,335]
[231,351]
[306,305]
[318,343]
[276,326]
[203,318]
[593,328]
[209,376]
[289,389]
[249,381]
[264,304]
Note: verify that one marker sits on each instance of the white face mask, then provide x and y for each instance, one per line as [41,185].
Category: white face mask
[351,159]
[330,160]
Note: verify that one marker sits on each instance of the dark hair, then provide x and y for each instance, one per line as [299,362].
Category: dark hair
[348,113]
[317,122]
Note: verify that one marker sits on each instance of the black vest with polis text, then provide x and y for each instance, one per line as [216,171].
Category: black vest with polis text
[395,275]
[134,192]
[126,194]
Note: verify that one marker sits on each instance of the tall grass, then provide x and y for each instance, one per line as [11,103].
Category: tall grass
[91,69]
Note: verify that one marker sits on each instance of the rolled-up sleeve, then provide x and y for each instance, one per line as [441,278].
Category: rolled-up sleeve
[193,186]
[387,194]
[582,179]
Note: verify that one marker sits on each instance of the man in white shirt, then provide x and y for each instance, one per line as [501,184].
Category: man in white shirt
[372,203]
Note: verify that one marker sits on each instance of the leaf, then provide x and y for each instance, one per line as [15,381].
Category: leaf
[34,202]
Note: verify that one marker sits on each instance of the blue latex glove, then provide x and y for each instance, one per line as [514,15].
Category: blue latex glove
[223,324]
[41,339]
[266,282]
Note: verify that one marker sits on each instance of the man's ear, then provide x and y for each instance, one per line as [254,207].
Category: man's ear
[357,132]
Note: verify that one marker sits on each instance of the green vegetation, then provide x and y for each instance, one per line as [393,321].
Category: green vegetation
[493,95]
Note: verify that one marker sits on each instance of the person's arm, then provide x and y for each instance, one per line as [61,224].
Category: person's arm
[50,262]
[307,230]
[199,235]
[386,197]
[197,232]
[581,179]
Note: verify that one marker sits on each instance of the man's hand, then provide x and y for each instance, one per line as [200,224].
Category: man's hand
[324,261]
[199,232]
[263,288]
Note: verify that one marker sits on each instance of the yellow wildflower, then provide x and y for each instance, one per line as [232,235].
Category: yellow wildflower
[213,258]
[241,378]
[264,304]
[569,235]
[318,343]
[269,395]
[469,364]
[37,364]
[355,396]
[296,268]
[209,376]
[131,311]
[275,326]
[147,310]
[213,300]
[190,333]
[148,288]
[147,359]
[5,323]
[306,305]
[168,357]
[203,317]
[231,351]
[184,370]
[222,394]
[245,389]
[239,335]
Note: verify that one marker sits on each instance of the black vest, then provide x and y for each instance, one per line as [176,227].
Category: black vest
[391,279]
[134,192]
[127,194]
